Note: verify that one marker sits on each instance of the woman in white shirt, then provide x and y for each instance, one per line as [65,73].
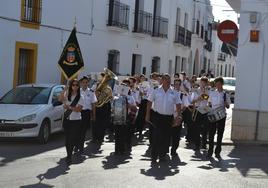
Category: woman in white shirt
[73,104]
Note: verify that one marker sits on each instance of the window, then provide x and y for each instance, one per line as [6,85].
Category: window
[186,21]
[178,18]
[225,71]
[25,63]
[56,93]
[177,64]
[31,13]
[155,64]
[113,61]
[136,64]
[118,14]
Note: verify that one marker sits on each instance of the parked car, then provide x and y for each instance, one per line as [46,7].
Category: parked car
[229,86]
[31,110]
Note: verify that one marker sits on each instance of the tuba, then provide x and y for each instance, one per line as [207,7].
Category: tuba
[103,91]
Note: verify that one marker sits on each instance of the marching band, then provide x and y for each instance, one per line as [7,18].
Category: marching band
[137,103]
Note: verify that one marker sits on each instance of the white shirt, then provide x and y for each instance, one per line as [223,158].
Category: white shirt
[179,97]
[217,98]
[89,98]
[195,96]
[135,93]
[163,102]
[131,100]
[75,115]
[185,84]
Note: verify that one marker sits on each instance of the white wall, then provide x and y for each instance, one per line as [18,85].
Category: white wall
[94,47]
[252,60]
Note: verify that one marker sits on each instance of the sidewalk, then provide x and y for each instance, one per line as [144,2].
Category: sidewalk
[228,128]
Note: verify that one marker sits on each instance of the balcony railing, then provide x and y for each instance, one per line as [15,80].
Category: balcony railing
[221,57]
[180,35]
[208,46]
[160,27]
[118,14]
[183,36]
[188,38]
[143,24]
[32,11]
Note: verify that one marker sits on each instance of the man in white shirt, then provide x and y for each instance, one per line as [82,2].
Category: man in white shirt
[217,98]
[200,101]
[177,126]
[164,99]
[88,112]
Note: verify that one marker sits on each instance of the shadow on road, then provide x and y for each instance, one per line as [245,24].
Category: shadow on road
[162,170]
[251,160]
[11,150]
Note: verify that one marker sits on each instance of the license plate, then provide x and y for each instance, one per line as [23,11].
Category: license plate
[6,134]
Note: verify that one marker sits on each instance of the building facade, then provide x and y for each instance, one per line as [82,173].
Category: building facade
[127,36]
[250,114]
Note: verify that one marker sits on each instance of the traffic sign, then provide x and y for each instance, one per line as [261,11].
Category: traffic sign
[227,31]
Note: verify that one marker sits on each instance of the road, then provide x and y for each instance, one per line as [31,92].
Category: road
[26,164]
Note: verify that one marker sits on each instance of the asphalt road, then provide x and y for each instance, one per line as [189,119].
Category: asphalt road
[26,164]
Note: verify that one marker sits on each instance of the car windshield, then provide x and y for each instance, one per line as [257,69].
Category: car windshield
[229,82]
[27,95]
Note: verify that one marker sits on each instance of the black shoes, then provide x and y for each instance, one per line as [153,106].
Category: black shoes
[218,156]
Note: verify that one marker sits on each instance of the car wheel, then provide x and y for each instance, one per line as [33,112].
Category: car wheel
[44,132]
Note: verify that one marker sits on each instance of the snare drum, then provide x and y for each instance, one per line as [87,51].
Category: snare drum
[216,114]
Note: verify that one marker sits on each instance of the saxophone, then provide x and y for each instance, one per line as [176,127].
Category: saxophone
[103,91]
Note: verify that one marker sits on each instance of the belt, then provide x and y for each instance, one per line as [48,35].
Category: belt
[86,110]
[164,115]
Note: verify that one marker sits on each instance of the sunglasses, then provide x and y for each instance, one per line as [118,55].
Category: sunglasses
[75,85]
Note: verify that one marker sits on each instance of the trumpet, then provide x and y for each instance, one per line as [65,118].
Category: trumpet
[204,96]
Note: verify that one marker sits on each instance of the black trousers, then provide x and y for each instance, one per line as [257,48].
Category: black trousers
[188,122]
[213,127]
[175,138]
[71,130]
[140,121]
[161,134]
[85,124]
[200,127]
[123,138]
[103,120]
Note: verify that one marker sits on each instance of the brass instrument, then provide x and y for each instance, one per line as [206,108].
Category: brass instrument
[205,95]
[103,91]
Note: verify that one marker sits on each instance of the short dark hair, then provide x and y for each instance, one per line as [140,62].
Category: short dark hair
[126,81]
[183,73]
[219,79]
[177,80]
[177,74]
[133,79]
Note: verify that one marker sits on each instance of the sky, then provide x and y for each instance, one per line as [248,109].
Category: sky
[220,12]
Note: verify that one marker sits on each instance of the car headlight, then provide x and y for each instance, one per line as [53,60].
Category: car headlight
[27,118]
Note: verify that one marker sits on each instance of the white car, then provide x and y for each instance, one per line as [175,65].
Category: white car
[31,110]
[229,86]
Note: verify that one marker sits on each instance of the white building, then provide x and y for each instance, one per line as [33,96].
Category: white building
[250,115]
[127,36]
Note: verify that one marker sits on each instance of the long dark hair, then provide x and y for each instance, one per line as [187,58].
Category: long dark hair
[70,90]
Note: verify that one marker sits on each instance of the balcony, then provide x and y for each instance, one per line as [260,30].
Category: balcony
[183,36]
[160,27]
[118,15]
[221,57]
[143,22]
[188,38]
[208,46]
[180,35]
